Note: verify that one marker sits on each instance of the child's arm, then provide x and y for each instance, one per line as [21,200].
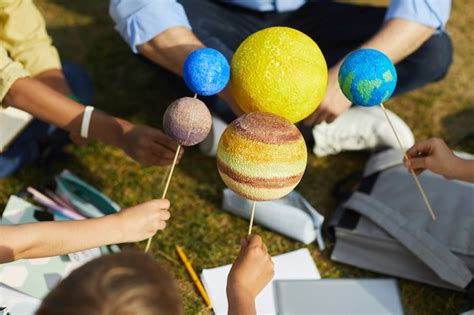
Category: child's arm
[435,155]
[250,274]
[147,145]
[44,239]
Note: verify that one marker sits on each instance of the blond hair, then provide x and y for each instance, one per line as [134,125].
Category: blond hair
[119,284]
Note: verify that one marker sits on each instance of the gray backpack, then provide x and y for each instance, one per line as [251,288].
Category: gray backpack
[384,226]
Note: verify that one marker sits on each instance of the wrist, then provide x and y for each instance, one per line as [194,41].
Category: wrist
[238,292]
[125,127]
[117,226]
[462,169]
[85,123]
[109,129]
[240,302]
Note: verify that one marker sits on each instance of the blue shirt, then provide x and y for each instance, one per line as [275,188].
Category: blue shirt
[138,21]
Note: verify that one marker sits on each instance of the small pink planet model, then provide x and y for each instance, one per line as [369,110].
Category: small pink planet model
[187,120]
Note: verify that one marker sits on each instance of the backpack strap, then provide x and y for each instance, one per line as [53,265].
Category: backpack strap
[435,255]
[382,161]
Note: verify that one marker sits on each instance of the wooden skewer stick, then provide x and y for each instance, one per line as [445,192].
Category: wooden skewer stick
[168,180]
[251,217]
[195,95]
[417,181]
[165,176]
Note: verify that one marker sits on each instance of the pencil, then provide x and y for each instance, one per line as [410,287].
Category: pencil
[193,275]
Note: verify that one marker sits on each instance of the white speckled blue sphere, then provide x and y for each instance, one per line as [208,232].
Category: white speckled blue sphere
[206,71]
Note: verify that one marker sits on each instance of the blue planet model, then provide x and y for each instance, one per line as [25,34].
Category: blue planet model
[206,71]
[367,77]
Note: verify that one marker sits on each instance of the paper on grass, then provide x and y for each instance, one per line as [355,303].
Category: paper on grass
[296,265]
[35,277]
[17,303]
[12,123]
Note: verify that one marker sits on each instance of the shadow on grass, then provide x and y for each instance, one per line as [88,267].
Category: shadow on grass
[41,175]
[459,129]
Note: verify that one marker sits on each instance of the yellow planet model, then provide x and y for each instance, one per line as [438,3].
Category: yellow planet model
[279,70]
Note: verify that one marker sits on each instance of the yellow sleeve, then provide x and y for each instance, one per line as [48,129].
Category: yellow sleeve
[10,71]
[23,35]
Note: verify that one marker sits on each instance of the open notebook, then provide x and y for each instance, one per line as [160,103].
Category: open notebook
[12,122]
[296,265]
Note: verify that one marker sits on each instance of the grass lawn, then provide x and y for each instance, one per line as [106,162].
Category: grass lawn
[83,32]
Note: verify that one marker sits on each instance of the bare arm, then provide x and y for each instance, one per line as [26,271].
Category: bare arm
[251,272]
[241,304]
[170,49]
[397,39]
[55,79]
[464,170]
[43,239]
[144,144]
[433,154]
[53,107]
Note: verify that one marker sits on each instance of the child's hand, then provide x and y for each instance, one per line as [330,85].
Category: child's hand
[432,154]
[142,221]
[252,270]
[149,146]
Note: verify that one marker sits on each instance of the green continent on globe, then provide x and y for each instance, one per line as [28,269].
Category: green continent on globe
[366,87]
[346,85]
[387,76]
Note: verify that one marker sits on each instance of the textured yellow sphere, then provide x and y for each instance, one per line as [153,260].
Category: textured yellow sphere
[279,70]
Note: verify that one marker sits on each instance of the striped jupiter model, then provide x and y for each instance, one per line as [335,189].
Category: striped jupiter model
[261,156]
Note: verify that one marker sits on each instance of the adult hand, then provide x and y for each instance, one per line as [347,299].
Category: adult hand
[142,221]
[252,270]
[432,154]
[333,104]
[149,146]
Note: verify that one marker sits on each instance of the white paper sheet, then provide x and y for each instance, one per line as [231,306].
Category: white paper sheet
[16,302]
[296,265]
[12,123]
[36,277]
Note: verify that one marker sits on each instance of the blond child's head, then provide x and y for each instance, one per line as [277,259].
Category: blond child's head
[120,284]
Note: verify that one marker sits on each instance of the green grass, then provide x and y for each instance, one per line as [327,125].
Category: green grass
[124,86]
